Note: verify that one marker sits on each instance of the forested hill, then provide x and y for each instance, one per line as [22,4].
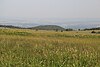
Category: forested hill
[41,27]
[48,27]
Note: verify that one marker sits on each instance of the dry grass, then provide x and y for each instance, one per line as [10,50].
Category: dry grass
[29,48]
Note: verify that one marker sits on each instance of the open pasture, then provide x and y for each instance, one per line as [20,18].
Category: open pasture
[30,48]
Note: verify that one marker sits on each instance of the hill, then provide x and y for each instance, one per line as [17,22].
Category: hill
[41,27]
[48,27]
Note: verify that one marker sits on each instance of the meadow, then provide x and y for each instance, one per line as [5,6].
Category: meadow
[30,48]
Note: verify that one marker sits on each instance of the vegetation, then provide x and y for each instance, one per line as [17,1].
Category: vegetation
[30,48]
[97,32]
[93,32]
[48,27]
[41,27]
[10,26]
[69,29]
[98,28]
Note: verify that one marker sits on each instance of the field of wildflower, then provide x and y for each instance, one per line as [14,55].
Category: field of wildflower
[30,48]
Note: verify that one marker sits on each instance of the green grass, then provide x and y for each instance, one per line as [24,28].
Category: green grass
[29,48]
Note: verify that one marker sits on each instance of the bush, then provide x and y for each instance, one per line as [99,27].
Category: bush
[93,32]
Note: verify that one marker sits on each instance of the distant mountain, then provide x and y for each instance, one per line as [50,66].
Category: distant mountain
[41,27]
[66,23]
[48,27]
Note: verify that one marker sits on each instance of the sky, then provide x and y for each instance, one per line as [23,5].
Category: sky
[59,9]
[50,8]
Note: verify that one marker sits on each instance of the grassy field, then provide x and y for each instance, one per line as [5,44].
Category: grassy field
[30,48]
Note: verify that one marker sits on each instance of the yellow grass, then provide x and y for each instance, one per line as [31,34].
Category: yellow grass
[30,48]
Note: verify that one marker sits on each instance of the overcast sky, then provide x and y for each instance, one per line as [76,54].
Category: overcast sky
[50,8]
[59,12]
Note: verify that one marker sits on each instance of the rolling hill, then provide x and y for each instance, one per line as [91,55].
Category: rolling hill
[41,27]
[48,27]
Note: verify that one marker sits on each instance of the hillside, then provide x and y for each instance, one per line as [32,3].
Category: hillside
[48,27]
[41,27]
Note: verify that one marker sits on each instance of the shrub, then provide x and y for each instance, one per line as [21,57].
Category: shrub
[93,32]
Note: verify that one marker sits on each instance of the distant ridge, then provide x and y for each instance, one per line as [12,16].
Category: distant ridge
[41,27]
[44,27]
[10,26]
[98,28]
[48,27]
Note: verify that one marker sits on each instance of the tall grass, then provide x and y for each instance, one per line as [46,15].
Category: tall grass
[29,48]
